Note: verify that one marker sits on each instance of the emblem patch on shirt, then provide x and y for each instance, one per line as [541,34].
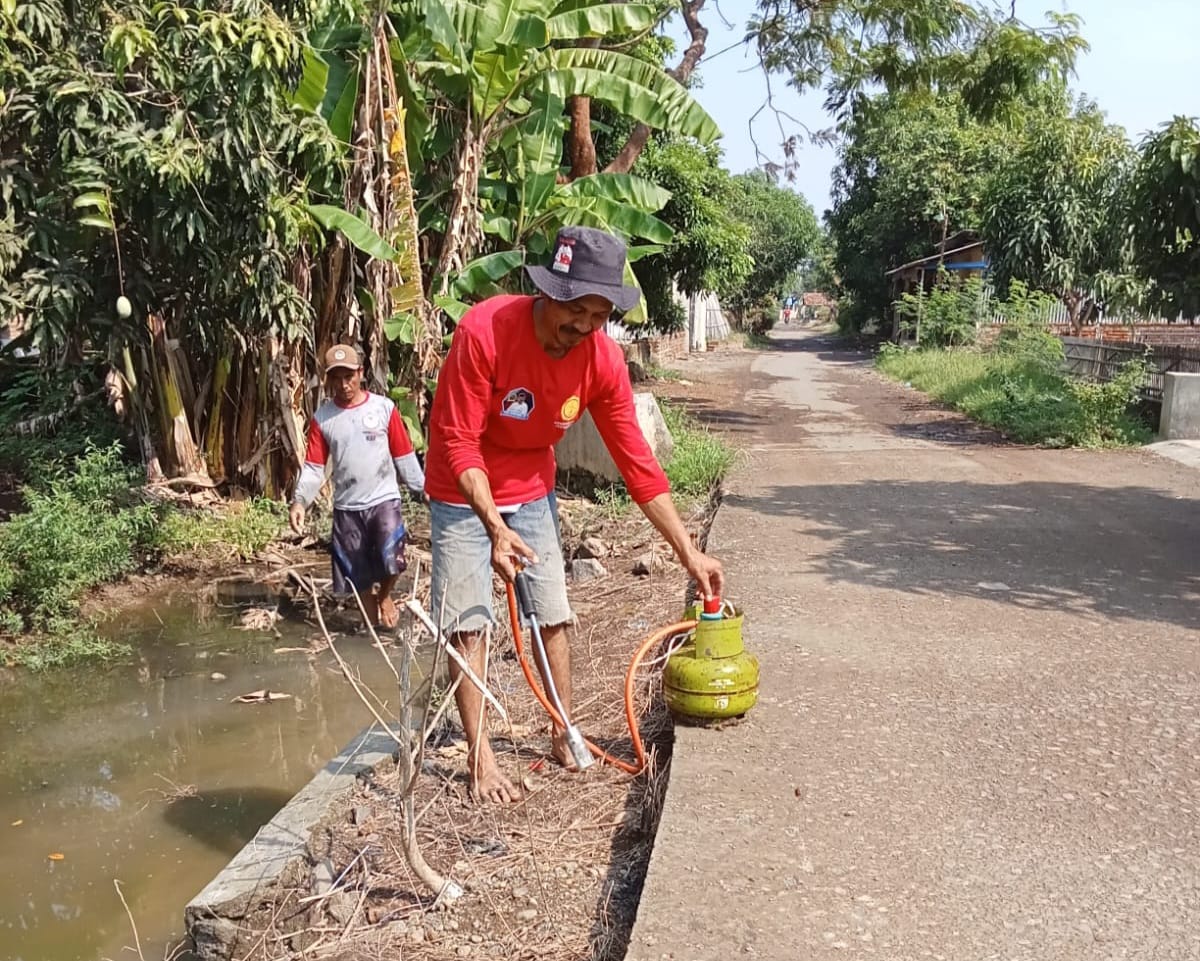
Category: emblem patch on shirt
[372,425]
[562,258]
[517,404]
[570,409]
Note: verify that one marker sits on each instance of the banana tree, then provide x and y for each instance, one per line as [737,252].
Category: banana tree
[494,77]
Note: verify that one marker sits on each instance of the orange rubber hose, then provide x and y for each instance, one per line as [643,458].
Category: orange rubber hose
[630,712]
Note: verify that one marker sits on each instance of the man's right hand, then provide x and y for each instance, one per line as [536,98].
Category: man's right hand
[296,518]
[507,546]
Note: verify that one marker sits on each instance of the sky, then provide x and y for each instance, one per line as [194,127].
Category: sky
[1140,69]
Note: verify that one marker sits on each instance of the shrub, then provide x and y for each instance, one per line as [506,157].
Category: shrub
[700,459]
[242,528]
[1023,394]
[82,527]
[947,316]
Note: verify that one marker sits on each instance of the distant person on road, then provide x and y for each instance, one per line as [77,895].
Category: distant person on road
[520,371]
[361,438]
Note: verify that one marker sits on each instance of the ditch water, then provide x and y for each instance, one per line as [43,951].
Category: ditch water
[147,774]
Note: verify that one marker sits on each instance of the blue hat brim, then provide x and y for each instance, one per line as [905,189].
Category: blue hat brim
[624,297]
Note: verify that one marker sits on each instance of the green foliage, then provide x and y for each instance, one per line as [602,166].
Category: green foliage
[492,80]
[709,250]
[1052,213]
[65,642]
[1164,212]
[48,418]
[947,316]
[156,151]
[1024,334]
[241,528]
[85,527]
[700,458]
[913,45]
[783,234]
[911,170]
[1024,395]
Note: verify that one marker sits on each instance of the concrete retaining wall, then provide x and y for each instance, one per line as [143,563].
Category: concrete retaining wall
[1181,407]
[582,449]
[220,918]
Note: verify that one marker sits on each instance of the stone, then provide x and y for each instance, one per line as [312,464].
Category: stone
[587,569]
[463,951]
[341,906]
[322,877]
[214,939]
[216,676]
[582,449]
[647,564]
[416,934]
[592,547]
[360,815]
[526,914]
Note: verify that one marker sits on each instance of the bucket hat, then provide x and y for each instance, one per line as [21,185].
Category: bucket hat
[341,355]
[586,261]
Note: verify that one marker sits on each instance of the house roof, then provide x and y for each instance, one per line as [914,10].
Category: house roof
[937,256]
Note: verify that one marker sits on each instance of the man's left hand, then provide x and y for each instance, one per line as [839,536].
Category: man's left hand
[709,575]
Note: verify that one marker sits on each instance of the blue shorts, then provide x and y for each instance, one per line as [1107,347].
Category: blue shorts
[462,565]
[368,546]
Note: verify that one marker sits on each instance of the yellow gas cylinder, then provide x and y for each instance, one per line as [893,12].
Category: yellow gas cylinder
[711,676]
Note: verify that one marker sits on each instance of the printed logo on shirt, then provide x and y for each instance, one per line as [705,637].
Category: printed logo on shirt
[517,404]
[563,257]
[568,412]
[372,425]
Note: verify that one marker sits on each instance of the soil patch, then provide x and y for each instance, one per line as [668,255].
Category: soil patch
[557,875]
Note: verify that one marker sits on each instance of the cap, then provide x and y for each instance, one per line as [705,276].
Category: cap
[341,355]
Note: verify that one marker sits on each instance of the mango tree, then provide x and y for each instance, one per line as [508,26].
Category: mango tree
[1053,214]
[1164,211]
[156,192]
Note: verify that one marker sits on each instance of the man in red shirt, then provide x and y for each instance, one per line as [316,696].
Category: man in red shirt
[521,370]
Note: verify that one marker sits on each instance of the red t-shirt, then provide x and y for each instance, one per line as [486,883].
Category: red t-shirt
[502,403]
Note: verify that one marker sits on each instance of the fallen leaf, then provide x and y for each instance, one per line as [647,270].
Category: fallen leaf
[538,764]
[292,650]
[56,856]
[260,697]
[17,823]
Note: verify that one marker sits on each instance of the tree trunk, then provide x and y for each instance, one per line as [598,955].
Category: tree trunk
[1073,301]
[581,149]
[628,155]
[180,445]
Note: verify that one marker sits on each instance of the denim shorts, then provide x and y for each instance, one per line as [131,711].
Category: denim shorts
[462,565]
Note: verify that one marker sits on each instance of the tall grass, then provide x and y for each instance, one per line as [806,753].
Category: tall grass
[1023,393]
[700,458]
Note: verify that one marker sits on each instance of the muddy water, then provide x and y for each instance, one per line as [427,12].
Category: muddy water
[147,774]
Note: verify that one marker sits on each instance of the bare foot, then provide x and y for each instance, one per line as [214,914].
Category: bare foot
[559,750]
[488,783]
[389,617]
[370,603]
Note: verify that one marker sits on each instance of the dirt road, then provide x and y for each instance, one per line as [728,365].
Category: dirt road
[979,732]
